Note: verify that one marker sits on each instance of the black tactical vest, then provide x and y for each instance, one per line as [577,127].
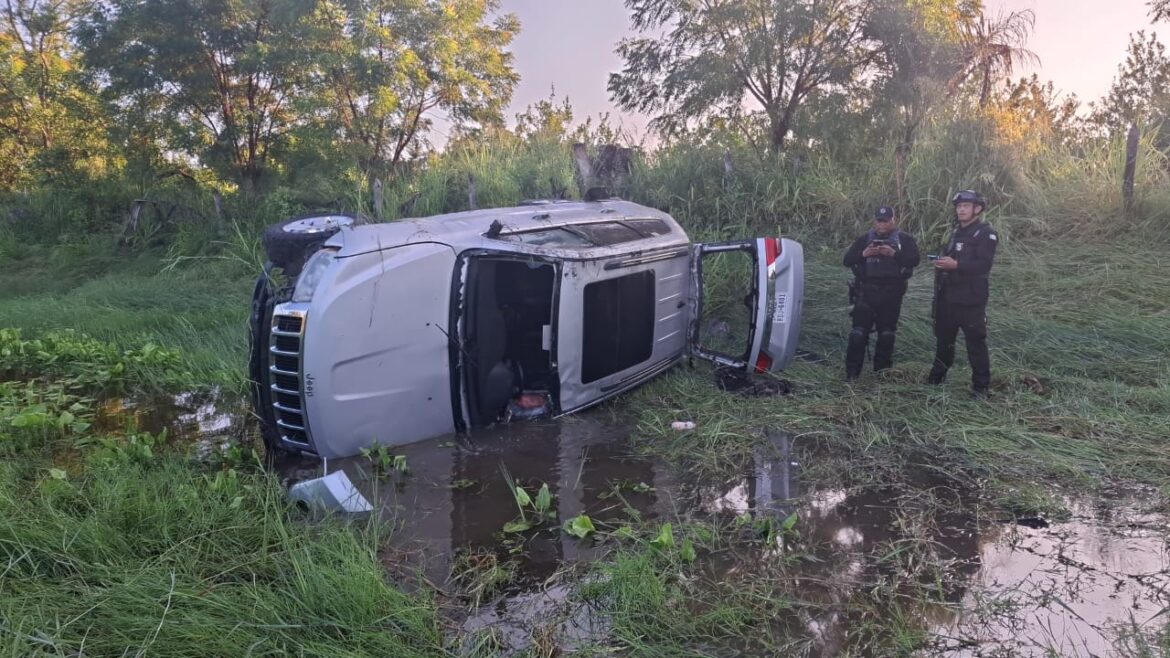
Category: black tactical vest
[883,267]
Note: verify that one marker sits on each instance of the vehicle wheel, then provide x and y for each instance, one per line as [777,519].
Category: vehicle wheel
[259,331]
[290,243]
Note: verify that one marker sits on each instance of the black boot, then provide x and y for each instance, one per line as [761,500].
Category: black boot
[855,352]
[883,353]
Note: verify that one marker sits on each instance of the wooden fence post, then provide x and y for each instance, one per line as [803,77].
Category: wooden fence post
[584,167]
[1131,151]
[377,198]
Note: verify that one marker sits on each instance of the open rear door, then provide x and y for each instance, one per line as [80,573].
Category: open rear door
[746,299]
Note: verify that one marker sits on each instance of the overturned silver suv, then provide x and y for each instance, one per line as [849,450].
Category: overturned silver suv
[396,332]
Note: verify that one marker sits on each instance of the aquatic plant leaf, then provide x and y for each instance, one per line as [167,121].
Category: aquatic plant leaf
[399,464]
[665,538]
[517,525]
[624,532]
[580,526]
[543,499]
[522,497]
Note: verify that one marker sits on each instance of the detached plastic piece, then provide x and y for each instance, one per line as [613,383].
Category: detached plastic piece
[332,493]
[682,425]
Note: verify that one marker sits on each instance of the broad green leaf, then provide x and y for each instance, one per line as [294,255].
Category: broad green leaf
[517,525]
[624,532]
[665,538]
[580,526]
[543,499]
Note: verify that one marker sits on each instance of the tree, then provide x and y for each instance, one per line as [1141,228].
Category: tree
[1141,91]
[1159,10]
[1031,112]
[389,64]
[221,81]
[718,54]
[48,114]
[993,47]
[919,57]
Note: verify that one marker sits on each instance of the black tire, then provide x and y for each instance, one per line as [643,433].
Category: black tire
[259,331]
[290,243]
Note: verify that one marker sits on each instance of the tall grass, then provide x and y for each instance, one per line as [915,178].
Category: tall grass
[200,309]
[162,559]
[1080,379]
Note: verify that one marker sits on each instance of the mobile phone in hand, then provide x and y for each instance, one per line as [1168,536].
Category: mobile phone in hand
[931,256]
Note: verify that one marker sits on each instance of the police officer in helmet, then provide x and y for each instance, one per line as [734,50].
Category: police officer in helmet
[961,290]
[882,261]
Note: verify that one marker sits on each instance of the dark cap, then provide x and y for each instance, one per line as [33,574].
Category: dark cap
[883,214]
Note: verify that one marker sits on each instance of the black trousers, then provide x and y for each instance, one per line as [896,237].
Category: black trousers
[949,320]
[878,307]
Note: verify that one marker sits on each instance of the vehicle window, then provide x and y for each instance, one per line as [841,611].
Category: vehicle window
[607,233]
[619,325]
[552,236]
[728,303]
[648,227]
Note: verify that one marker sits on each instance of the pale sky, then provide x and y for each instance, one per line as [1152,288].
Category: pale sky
[570,44]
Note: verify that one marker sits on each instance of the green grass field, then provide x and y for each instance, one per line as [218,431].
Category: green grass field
[120,544]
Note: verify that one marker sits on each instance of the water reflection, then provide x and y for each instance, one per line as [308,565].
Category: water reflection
[456,498]
[1068,589]
[190,415]
[983,587]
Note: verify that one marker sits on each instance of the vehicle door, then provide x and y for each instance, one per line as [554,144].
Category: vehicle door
[745,302]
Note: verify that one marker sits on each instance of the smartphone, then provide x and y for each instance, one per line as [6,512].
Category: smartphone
[931,256]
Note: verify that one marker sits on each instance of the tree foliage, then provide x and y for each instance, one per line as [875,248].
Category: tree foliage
[919,58]
[1141,91]
[239,85]
[388,65]
[717,55]
[50,122]
[1159,10]
[222,81]
[993,47]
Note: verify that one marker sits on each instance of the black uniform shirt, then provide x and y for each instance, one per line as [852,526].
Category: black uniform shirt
[974,249]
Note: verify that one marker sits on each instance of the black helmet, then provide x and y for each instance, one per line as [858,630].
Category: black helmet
[969,195]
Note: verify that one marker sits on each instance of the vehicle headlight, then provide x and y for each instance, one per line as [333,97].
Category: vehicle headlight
[311,275]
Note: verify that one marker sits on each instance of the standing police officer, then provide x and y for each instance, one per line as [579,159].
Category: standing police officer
[882,261]
[961,291]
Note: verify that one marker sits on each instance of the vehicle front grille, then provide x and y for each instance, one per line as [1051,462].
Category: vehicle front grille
[288,399]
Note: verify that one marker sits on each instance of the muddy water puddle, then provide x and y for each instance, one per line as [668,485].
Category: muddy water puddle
[454,501]
[209,421]
[1070,589]
[977,585]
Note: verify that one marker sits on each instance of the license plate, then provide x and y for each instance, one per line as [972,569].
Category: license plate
[780,308]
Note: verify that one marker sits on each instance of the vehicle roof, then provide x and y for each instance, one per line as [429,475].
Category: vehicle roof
[468,229]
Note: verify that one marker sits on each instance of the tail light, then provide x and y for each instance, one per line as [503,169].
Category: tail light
[772,249]
[763,363]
